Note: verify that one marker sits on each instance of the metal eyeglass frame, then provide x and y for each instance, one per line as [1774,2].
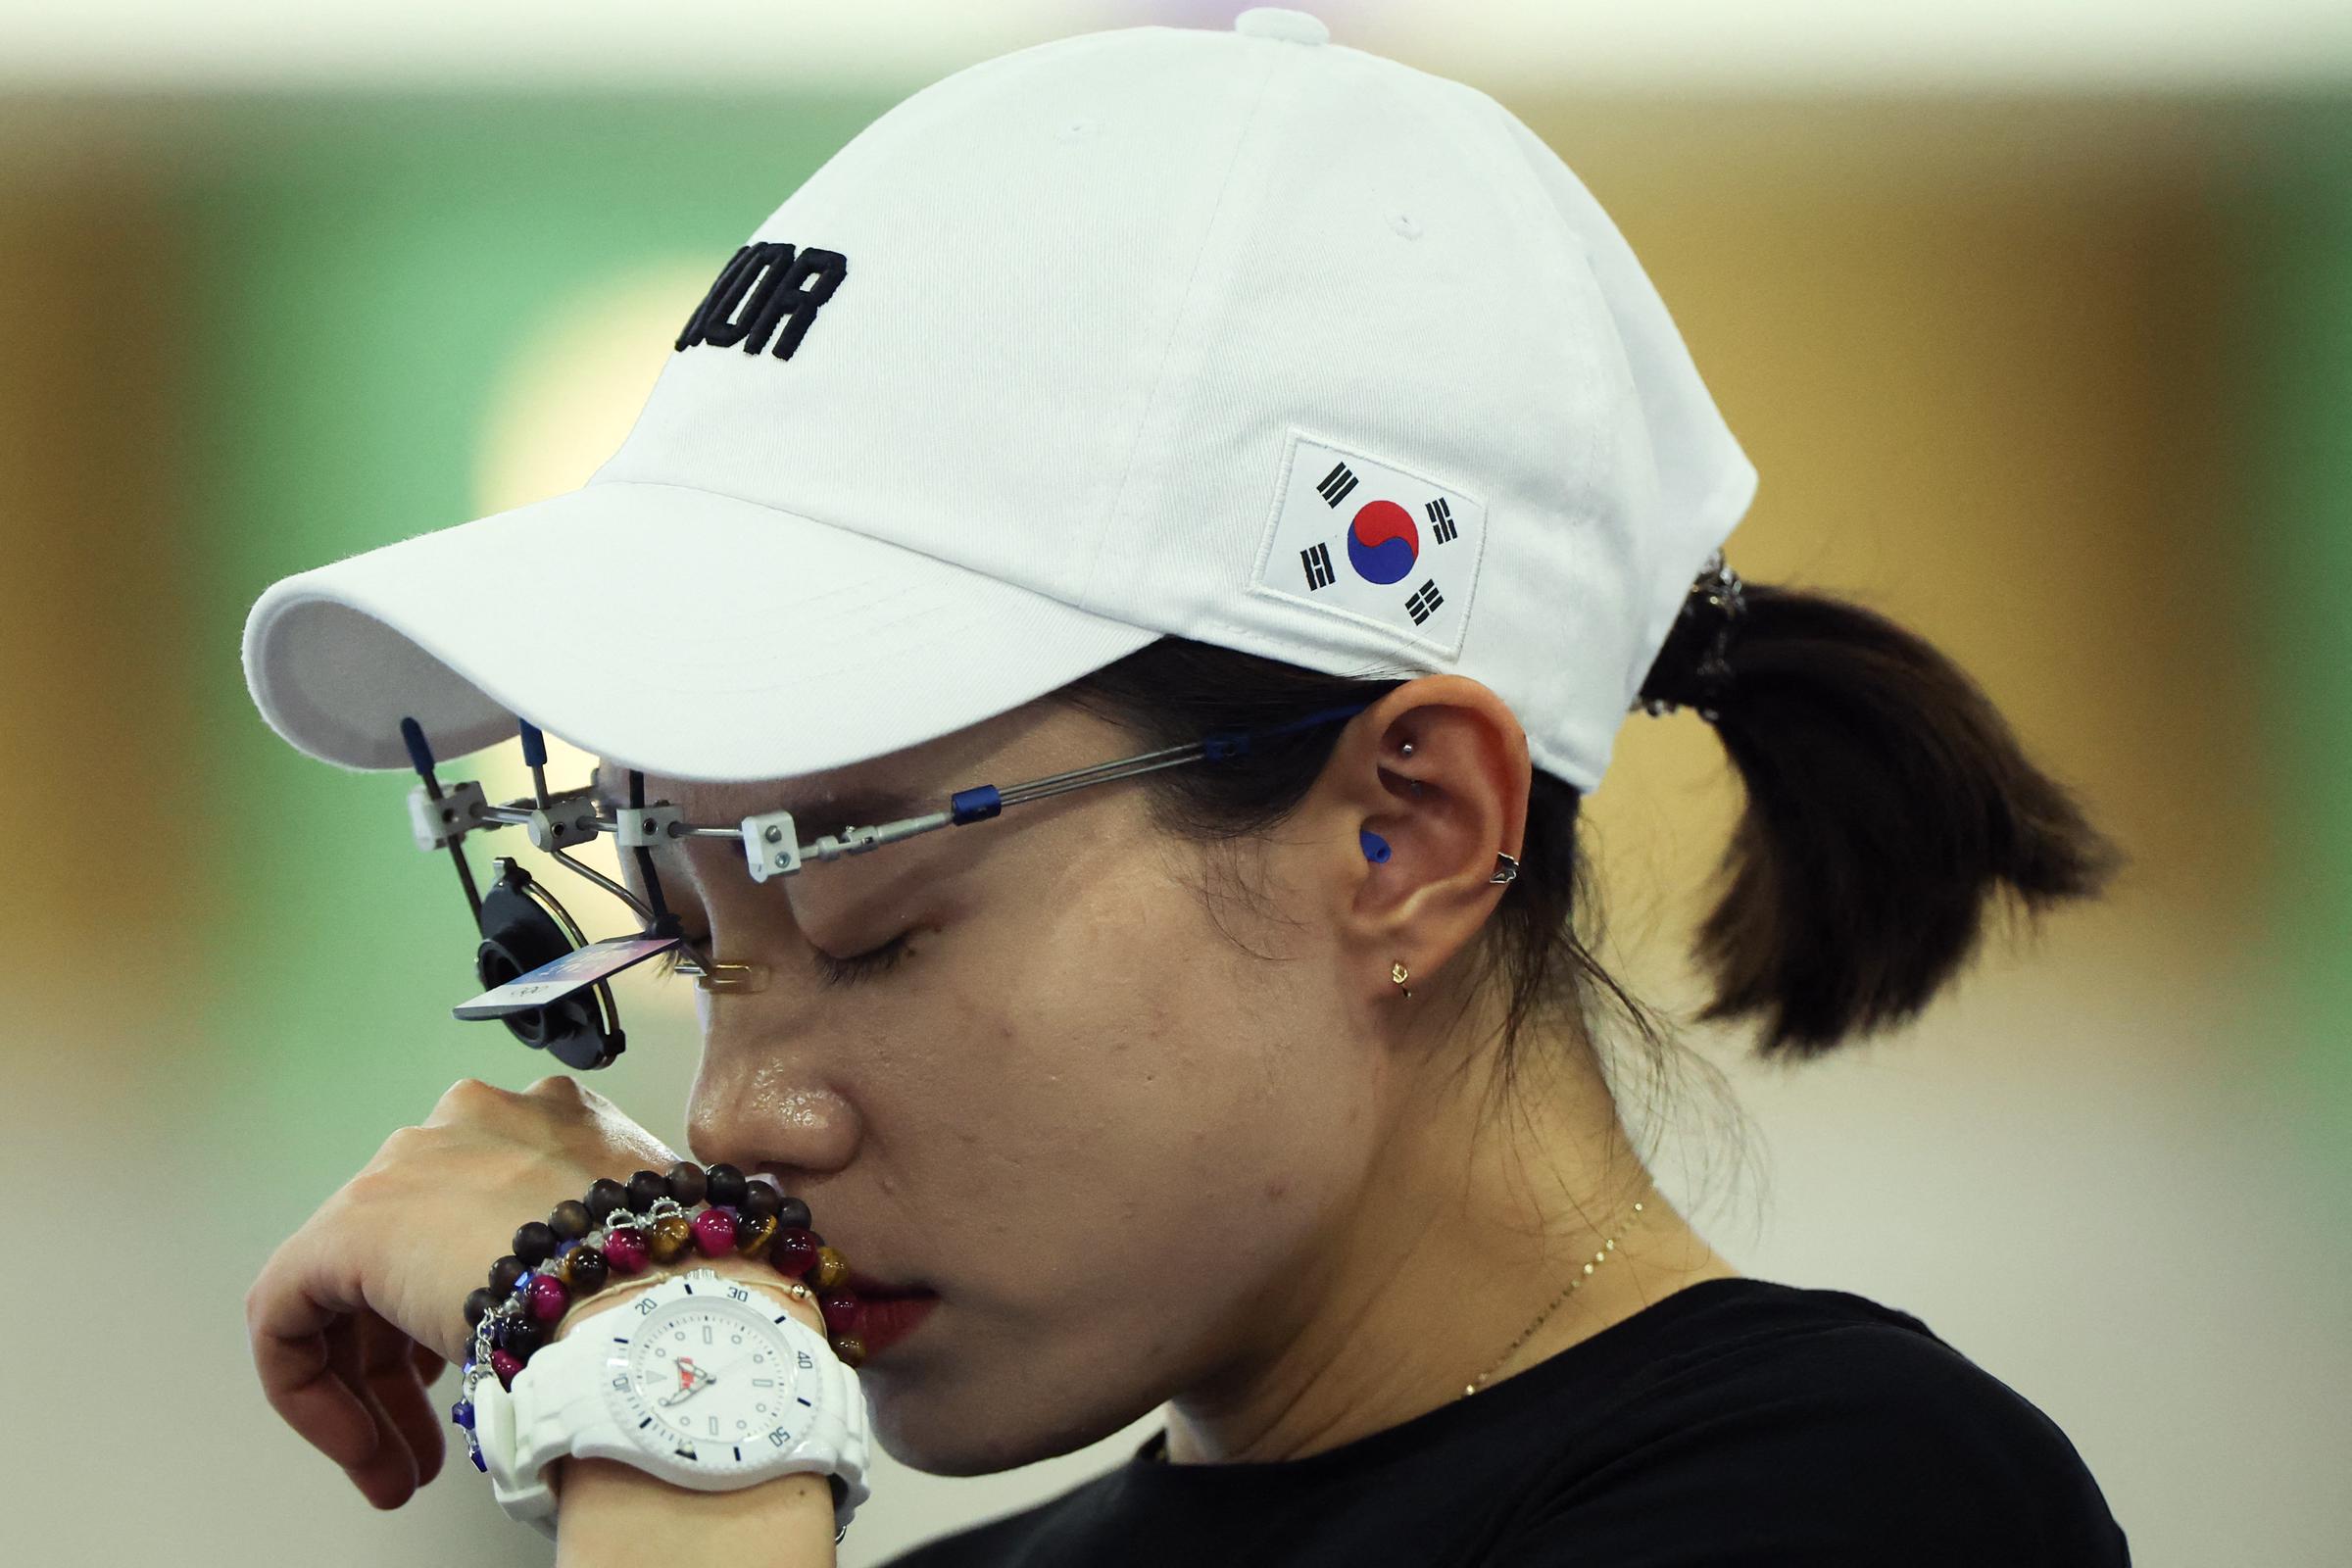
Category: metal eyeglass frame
[543,974]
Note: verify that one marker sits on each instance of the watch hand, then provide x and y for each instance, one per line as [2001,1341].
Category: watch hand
[690,1378]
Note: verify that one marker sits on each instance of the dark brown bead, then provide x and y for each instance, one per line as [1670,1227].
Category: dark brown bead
[533,1242]
[644,1188]
[520,1336]
[605,1195]
[589,1270]
[569,1220]
[686,1183]
[505,1272]
[760,1201]
[792,1215]
[481,1298]
[726,1183]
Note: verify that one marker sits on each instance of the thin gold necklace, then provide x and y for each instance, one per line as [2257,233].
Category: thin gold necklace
[1625,1223]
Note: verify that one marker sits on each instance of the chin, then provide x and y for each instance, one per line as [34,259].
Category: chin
[974,1433]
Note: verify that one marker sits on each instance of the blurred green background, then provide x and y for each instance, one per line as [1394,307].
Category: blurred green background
[2045,352]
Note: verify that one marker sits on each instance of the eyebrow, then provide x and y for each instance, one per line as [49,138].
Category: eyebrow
[841,808]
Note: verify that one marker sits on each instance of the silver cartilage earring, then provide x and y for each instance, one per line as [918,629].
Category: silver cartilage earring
[1407,749]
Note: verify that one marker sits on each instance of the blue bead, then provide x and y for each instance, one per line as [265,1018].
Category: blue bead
[461,1413]
[477,1455]
[522,1286]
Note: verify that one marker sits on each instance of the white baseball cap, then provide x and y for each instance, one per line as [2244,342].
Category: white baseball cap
[1241,336]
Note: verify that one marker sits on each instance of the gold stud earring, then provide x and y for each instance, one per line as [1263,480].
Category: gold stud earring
[1397,973]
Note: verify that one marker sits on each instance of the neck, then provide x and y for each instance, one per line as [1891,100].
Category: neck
[1464,1233]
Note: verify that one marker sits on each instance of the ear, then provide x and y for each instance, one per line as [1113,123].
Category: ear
[1443,811]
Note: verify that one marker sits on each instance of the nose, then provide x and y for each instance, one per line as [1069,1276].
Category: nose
[753,1106]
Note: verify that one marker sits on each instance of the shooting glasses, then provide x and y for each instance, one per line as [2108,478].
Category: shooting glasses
[549,984]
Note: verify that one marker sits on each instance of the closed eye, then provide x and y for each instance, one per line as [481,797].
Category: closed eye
[834,971]
[860,965]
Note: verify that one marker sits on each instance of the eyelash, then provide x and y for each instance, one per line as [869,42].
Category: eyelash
[835,971]
[861,965]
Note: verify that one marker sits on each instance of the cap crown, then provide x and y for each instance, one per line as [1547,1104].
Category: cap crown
[1237,336]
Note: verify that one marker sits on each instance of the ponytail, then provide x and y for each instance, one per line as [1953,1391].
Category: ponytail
[1887,801]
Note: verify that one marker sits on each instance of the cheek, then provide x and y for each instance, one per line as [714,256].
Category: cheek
[1162,1117]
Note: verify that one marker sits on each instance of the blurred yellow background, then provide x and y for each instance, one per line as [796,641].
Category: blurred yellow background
[2043,347]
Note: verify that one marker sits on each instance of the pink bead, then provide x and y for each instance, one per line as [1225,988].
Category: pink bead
[506,1366]
[626,1251]
[714,1232]
[840,1308]
[549,1299]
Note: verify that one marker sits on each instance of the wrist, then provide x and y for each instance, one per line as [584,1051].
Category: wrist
[609,1512]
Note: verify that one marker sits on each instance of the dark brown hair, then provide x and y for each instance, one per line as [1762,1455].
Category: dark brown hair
[1886,803]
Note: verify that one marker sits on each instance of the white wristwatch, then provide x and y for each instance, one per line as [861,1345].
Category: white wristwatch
[702,1379]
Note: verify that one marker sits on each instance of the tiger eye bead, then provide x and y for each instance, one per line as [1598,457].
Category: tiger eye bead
[586,1271]
[569,1220]
[644,1188]
[753,1233]
[830,1270]
[687,1183]
[850,1348]
[670,1236]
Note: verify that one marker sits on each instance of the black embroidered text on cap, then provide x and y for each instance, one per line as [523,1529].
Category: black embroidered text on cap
[760,285]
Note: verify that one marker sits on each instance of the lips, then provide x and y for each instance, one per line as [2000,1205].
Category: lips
[864,1286]
[884,1320]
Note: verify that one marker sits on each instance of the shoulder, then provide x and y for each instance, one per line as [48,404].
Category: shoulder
[1819,1426]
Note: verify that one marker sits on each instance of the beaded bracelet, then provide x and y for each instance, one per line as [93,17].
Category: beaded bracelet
[619,1232]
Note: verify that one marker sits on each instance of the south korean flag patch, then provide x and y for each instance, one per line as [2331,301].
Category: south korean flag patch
[1373,543]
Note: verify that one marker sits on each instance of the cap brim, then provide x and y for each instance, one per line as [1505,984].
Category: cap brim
[668,629]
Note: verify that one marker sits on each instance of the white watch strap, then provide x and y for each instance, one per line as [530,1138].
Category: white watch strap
[533,1436]
[523,1430]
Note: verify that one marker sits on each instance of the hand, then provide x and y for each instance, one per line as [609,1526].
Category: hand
[358,1311]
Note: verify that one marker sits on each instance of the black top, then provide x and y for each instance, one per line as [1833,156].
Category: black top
[1736,1423]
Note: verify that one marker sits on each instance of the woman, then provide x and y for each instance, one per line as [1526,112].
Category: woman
[1267,1087]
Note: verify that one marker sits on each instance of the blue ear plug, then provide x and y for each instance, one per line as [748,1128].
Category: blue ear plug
[1376,847]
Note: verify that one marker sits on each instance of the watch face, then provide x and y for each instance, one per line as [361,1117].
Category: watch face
[712,1379]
